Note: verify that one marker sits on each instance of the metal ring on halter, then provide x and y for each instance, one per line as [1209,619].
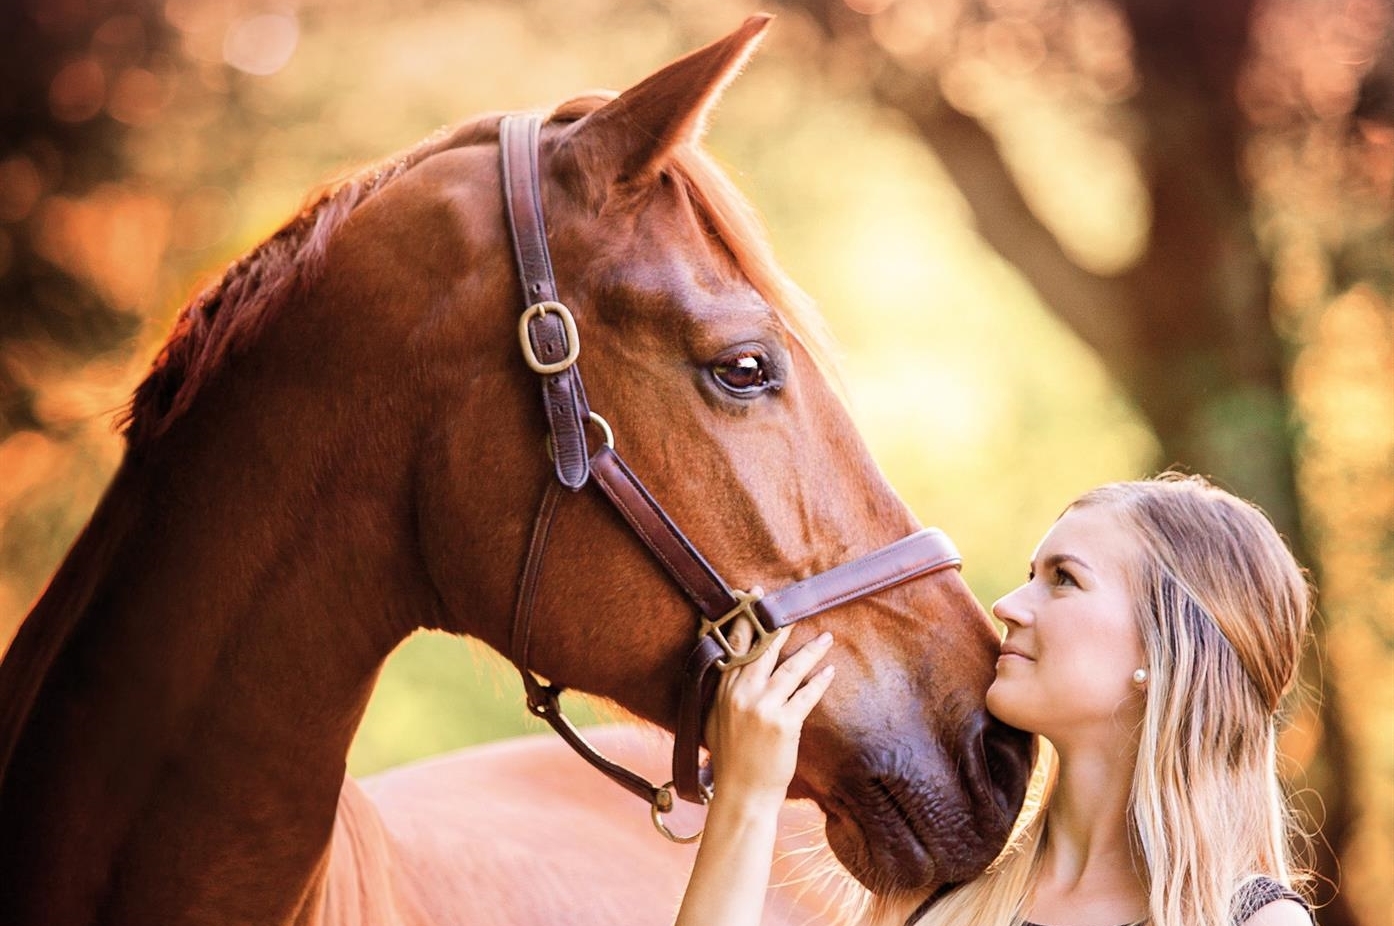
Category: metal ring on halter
[573,339]
[604,428]
[664,797]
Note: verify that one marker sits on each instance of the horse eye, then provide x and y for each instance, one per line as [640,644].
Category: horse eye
[744,374]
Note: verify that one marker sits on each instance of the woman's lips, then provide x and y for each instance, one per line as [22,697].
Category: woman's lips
[1009,652]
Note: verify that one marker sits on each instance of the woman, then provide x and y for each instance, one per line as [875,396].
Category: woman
[1150,649]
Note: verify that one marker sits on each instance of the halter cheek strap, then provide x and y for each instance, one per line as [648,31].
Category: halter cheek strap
[547,330]
[550,344]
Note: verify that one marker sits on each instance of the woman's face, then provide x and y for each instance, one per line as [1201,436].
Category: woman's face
[1072,642]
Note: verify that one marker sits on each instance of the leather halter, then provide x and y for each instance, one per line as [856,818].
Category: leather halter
[551,345]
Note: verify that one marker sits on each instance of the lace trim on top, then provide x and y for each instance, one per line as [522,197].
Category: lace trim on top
[1259,893]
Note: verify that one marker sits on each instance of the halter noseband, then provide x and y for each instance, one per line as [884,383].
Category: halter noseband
[551,345]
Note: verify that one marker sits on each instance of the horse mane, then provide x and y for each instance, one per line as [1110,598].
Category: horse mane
[227,315]
[223,318]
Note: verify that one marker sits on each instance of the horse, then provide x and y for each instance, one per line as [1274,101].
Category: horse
[339,444]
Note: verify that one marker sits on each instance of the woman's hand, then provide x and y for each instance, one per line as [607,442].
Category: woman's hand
[753,730]
[753,733]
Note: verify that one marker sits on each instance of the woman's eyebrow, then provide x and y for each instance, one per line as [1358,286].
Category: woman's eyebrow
[1057,559]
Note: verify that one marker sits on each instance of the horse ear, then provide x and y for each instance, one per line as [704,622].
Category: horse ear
[628,136]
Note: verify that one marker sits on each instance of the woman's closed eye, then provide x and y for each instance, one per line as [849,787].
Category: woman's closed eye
[1065,577]
[1057,575]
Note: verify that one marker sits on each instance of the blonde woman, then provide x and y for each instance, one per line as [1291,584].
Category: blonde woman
[1150,649]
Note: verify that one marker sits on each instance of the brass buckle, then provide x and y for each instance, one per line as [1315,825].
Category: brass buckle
[745,607]
[568,323]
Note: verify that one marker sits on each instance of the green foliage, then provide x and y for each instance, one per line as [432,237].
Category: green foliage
[440,692]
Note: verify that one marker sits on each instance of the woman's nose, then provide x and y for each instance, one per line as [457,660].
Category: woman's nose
[1009,609]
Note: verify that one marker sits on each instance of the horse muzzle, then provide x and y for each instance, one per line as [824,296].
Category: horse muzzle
[914,818]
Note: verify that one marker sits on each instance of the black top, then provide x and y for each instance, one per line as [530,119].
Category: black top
[1261,892]
[1253,897]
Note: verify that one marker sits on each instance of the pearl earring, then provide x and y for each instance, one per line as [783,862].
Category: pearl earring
[1140,676]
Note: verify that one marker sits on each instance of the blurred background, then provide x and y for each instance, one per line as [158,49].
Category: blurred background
[1094,238]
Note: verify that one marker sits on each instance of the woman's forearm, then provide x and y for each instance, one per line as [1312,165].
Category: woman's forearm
[753,732]
[732,870]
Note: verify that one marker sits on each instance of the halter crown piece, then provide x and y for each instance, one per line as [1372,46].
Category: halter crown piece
[551,346]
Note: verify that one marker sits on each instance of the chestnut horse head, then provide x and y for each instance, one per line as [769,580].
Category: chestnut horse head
[341,443]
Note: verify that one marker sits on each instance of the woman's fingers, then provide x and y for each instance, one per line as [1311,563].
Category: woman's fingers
[739,635]
[802,702]
[793,672]
[765,677]
[761,666]
[739,684]
[766,660]
[760,710]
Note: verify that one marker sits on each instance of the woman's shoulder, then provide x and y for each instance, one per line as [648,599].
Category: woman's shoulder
[1262,901]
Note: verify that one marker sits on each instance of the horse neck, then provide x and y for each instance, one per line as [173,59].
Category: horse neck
[179,705]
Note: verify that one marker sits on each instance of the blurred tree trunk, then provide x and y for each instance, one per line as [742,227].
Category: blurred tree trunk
[1186,330]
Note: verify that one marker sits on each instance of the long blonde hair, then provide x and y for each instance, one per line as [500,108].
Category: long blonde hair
[1223,608]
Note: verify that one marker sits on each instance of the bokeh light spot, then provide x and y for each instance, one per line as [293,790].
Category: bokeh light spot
[263,44]
[136,97]
[78,91]
[20,188]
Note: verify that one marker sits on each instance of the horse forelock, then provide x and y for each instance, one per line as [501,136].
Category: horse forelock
[226,316]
